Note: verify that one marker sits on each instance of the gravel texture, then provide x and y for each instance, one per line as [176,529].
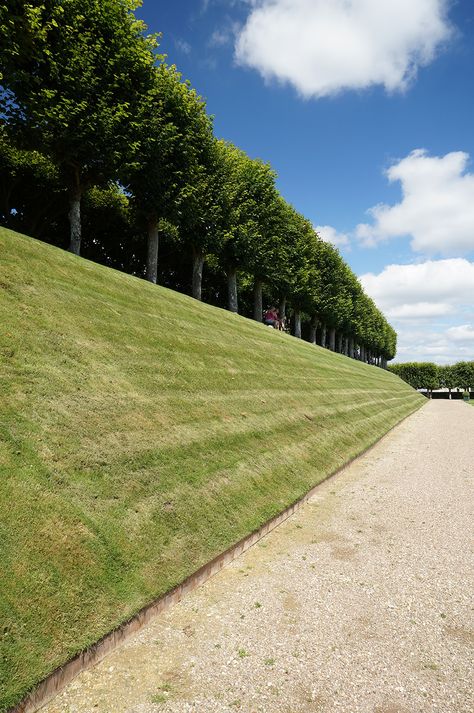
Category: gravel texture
[361,602]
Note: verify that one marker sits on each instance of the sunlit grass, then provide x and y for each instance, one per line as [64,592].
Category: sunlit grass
[142,433]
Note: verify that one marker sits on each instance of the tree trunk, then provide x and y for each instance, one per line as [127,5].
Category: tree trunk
[198,266]
[332,339]
[282,310]
[257,301]
[362,353]
[297,323]
[340,342]
[323,335]
[351,348]
[152,255]
[233,302]
[75,221]
[313,329]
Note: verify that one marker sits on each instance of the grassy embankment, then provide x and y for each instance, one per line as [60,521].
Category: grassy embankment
[142,433]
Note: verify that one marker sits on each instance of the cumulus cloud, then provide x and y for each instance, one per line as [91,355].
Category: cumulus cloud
[331,235]
[418,344]
[439,283]
[437,206]
[429,305]
[420,310]
[323,47]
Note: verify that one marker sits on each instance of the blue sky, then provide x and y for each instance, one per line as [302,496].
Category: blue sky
[356,104]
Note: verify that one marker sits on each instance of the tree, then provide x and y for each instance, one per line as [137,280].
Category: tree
[303,289]
[335,303]
[204,206]
[73,71]
[251,223]
[420,375]
[173,133]
[464,375]
[447,377]
[265,236]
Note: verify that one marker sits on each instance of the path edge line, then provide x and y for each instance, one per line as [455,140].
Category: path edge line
[56,681]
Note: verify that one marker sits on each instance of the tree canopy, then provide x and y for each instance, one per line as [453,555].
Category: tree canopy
[429,376]
[73,73]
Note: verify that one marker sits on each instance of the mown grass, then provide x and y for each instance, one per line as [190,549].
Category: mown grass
[142,433]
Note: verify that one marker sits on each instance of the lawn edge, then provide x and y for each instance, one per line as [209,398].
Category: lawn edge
[58,679]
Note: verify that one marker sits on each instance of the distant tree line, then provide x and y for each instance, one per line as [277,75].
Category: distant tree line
[429,376]
[106,151]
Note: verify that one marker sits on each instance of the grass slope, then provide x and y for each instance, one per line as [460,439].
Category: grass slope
[142,433]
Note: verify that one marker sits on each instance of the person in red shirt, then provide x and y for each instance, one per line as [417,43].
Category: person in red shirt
[271,318]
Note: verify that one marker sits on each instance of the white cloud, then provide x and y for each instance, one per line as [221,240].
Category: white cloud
[183,46]
[323,47]
[419,310]
[429,345]
[437,207]
[330,235]
[428,304]
[219,38]
[447,282]
[464,333]
[225,34]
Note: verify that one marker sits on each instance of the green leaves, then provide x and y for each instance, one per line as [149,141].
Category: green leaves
[76,69]
[420,375]
[426,375]
[171,132]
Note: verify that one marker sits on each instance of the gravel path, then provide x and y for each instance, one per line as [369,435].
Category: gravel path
[361,602]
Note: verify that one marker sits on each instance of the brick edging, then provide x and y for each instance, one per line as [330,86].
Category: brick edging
[62,676]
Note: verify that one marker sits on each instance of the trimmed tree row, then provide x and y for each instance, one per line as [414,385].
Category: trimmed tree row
[96,126]
[429,376]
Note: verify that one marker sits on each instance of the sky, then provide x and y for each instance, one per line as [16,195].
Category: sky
[365,109]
